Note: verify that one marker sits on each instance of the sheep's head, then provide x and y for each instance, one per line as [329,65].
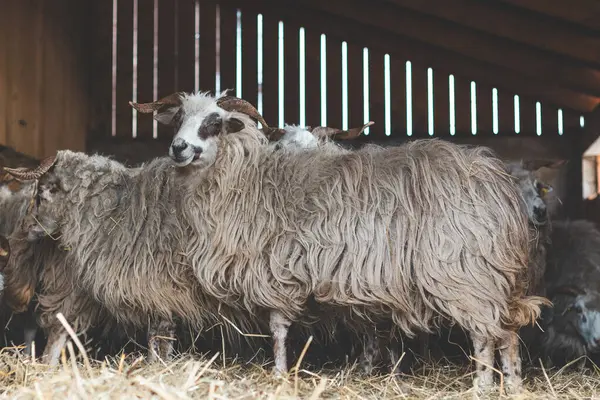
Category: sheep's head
[576,314]
[296,137]
[198,119]
[534,191]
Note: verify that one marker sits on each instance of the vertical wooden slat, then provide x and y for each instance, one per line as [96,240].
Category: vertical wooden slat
[334,82]
[270,93]
[291,73]
[145,64]
[527,117]
[355,85]
[228,43]
[186,46]
[166,56]
[419,104]
[506,113]
[571,121]
[398,96]
[441,104]
[462,101]
[101,68]
[6,23]
[549,121]
[313,78]
[124,67]
[249,57]
[207,45]
[377,93]
[484,110]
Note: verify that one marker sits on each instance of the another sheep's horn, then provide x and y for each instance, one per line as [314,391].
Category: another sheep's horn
[148,108]
[4,248]
[26,174]
[232,103]
[322,131]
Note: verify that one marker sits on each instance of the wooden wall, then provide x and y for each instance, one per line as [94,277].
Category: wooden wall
[43,75]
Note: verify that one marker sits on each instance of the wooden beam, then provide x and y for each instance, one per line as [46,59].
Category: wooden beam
[402,48]
[584,12]
[463,41]
[508,22]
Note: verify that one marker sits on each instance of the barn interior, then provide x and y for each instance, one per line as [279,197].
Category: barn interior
[519,76]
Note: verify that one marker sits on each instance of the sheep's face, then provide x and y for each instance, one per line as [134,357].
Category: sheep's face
[532,189]
[579,317]
[296,137]
[48,208]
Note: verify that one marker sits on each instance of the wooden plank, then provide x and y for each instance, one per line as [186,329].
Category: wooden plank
[334,82]
[398,96]
[512,23]
[586,13]
[208,39]
[186,44]
[313,77]
[484,110]
[355,85]
[571,121]
[124,67]
[249,57]
[101,69]
[419,101]
[228,43]
[459,40]
[549,121]
[270,93]
[145,64]
[377,93]
[423,53]
[291,75]
[166,56]
[506,113]
[527,116]
[6,21]
[441,103]
[462,104]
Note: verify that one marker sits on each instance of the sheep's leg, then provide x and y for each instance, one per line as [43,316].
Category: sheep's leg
[57,338]
[511,363]
[370,352]
[279,326]
[29,332]
[484,361]
[161,338]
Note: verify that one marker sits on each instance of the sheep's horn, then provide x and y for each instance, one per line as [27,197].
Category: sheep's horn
[273,134]
[148,108]
[4,247]
[26,174]
[322,131]
[232,103]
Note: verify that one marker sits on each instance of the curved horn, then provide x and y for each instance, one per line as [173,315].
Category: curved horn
[323,131]
[273,134]
[4,248]
[148,108]
[232,103]
[26,174]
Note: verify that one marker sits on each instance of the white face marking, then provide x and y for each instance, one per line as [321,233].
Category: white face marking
[588,321]
[1,283]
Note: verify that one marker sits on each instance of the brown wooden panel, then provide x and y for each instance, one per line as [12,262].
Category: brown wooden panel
[377,93]
[145,64]
[506,113]
[398,96]
[166,56]
[270,94]
[124,66]
[549,121]
[228,42]
[186,46]
[313,77]
[419,103]
[334,82]
[462,104]
[6,27]
[208,31]
[441,104]
[484,110]
[586,13]
[423,53]
[291,73]
[249,57]
[527,116]
[571,121]
[512,23]
[100,68]
[355,85]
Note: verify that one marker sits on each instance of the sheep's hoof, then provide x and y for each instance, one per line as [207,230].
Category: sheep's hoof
[513,386]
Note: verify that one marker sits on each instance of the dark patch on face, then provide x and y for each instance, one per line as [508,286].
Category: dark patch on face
[177,119]
[233,125]
[211,126]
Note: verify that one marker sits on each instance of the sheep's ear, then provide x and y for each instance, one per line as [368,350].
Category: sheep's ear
[534,165]
[165,108]
[233,125]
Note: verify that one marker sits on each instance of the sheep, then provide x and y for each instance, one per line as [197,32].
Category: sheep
[265,232]
[572,327]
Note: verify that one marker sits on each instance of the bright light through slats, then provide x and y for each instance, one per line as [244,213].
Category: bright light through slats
[517,115]
[302,78]
[366,88]
[452,105]
[281,74]
[344,85]
[473,108]
[495,111]
[430,101]
[388,94]
[259,56]
[323,80]
[538,118]
[560,121]
[238,54]
[408,98]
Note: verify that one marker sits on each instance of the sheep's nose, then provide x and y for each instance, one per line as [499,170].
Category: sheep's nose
[540,213]
[178,146]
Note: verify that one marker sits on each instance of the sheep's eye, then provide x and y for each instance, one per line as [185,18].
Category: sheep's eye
[577,309]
